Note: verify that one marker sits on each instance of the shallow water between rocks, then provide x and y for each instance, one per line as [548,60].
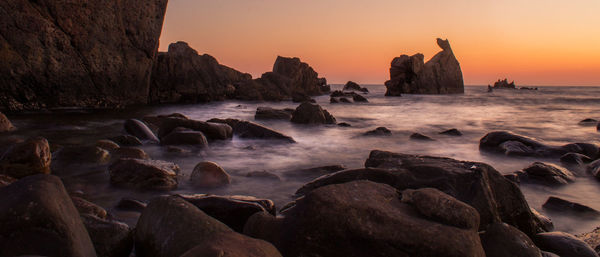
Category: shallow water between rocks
[550,114]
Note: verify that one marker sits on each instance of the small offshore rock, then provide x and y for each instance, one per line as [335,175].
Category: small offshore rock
[350,85]
[209,174]
[344,124]
[451,132]
[310,113]
[144,174]
[547,174]
[560,205]
[380,131]
[588,122]
[419,136]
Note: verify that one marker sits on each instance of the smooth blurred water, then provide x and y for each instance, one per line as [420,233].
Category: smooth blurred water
[550,114]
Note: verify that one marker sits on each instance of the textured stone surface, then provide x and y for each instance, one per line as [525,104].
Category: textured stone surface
[77,53]
[182,75]
[310,113]
[440,75]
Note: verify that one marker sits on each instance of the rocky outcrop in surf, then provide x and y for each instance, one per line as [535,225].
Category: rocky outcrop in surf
[182,75]
[440,75]
[92,54]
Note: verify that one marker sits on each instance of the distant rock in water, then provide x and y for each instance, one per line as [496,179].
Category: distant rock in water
[182,75]
[353,86]
[290,77]
[440,75]
[309,113]
[560,205]
[503,84]
[93,54]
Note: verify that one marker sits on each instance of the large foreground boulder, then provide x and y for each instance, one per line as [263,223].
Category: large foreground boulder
[510,144]
[28,158]
[310,113]
[144,174]
[363,218]
[477,184]
[37,217]
[84,53]
[440,75]
[182,75]
[171,226]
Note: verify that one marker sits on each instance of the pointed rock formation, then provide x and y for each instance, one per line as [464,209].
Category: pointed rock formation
[182,75]
[77,53]
[440,75]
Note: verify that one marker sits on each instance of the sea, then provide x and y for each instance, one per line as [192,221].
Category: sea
[549,114]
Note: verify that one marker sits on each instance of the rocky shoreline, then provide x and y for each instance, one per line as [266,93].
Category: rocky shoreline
[397,205]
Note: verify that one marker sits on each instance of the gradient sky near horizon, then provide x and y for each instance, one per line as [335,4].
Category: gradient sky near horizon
[534,42]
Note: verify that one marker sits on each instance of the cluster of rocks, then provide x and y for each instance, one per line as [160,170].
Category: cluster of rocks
[503,84]
[440,75]
[346,97]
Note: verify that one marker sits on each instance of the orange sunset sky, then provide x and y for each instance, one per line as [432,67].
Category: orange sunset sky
[534,42]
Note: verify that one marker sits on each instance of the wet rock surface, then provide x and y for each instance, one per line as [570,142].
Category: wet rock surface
[144,174]
[209,174]
[47,223]
[27,158]
[309,113]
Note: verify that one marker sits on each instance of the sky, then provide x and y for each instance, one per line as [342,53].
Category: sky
[534,42]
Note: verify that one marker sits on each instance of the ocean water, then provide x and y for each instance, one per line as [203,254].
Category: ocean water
[550,114]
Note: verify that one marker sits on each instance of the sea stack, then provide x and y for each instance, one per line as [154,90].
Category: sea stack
[90,54]
[440,75]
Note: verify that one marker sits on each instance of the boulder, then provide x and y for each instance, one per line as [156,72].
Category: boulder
[438,206]
[130,152]
[171,226]
[209,174]
[182,75]
[233,245]
[28,158]
[140,130]
[85,207]
[126,140]
[592,239]
[310,113]
[111,238]
[362,218]
[546,174]
[233,211]
[212,131]
[511,144]
[477,184]
[37,217]
[563,244]
[380,131]
[144,174]
[80,154]
[5,124]
[544,222]
[421,137]
[107,145]
[185,137]
[575,162]
[451,132]
[88,54]
[440,75]
[561,205]
[501,240]
[268,113]
[588,122]
[248,129]
[353,86]
[359,98]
